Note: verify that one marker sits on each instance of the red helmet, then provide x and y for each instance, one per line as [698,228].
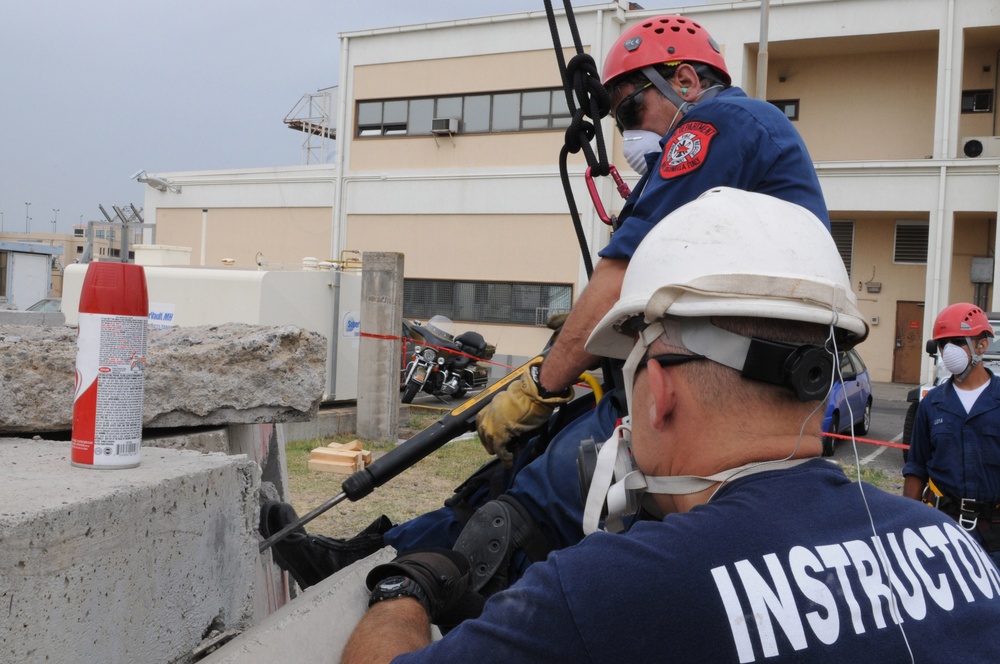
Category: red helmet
[961,320]
[663,39]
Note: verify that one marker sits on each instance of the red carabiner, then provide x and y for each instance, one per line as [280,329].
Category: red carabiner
[623,191]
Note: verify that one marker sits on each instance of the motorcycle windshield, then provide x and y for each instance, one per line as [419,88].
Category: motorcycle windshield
[441,326]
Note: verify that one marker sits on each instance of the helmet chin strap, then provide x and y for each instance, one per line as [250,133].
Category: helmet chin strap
[683,106]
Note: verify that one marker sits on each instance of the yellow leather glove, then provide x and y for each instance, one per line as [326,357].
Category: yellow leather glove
[519,408]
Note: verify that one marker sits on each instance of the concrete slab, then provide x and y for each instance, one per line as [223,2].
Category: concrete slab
[132,565]
[314,627]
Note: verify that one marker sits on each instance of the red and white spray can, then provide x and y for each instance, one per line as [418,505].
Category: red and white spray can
[110,363]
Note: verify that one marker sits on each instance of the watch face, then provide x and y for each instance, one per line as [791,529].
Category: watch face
[392,583]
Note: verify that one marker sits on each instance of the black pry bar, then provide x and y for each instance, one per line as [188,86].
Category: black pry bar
[457,421]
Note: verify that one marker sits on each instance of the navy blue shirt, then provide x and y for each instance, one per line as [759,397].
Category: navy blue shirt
[960,451]
[729,140]
[779,566]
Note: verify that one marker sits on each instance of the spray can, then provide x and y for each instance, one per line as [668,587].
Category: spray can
[110,363]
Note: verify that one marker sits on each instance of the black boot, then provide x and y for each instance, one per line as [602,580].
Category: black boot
[312,558]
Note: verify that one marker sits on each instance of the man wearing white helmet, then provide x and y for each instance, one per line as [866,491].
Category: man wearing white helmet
[749,548]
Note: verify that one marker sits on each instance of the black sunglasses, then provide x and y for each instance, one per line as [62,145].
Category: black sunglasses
[669,360]
[627,112]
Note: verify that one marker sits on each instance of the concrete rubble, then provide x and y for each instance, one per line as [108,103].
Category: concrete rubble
[133,565]
[195,376]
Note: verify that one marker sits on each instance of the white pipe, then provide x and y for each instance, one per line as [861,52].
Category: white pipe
[938,280]
[995,296]
[338,231]
[762,51]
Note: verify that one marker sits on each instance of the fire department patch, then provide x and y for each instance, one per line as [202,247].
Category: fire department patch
[687,149]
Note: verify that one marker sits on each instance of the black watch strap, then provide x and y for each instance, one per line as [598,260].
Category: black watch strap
[396,586]
[535,372]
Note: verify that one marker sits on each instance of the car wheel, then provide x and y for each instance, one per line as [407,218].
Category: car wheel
[830,443]
[911,413]
[866,420]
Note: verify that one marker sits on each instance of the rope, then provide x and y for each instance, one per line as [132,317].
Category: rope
[581,83]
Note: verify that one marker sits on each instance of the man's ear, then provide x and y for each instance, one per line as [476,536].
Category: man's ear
[663,390]
[687,78]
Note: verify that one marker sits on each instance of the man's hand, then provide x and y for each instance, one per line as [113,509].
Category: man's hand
[443,575]
[523,406]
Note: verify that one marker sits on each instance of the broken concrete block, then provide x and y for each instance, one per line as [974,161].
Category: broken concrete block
[195,376]
[131,565]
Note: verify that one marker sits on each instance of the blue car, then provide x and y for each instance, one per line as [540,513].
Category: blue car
[853,396]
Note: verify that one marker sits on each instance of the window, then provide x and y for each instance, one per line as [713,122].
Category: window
[790,107]
[910,245]
[476,114]
[843,236]
[485,301]
[977,101]
[77,232]
[79,248]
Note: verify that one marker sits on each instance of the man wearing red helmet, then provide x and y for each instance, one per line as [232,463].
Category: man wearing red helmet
[954,459]
[687,130]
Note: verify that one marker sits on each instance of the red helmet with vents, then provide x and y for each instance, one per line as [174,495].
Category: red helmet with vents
[662,39]
[961,320]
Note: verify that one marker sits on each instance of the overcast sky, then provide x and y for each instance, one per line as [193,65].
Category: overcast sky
[91,92]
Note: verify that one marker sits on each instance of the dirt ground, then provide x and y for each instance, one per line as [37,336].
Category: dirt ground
[422,488]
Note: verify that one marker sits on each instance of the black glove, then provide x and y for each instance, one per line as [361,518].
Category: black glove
[443,575]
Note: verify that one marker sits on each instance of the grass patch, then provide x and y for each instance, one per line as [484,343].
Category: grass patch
[880,478]
[417,490]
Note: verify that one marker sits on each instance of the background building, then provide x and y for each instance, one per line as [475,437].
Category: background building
[449,136]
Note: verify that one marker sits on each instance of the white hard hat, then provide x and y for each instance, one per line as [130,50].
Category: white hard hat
[733,253]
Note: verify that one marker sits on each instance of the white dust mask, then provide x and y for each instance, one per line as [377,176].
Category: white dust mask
[955,359]
[636,144]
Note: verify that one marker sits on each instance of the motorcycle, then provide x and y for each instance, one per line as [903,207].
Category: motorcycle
[443,364]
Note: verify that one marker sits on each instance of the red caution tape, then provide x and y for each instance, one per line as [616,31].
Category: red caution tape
[386,337]
[870,441]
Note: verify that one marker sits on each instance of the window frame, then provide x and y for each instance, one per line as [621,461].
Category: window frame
[909,223]
[781,105]
[487,302]
[370,114]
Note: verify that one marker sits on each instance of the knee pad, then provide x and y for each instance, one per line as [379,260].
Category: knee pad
[497,529]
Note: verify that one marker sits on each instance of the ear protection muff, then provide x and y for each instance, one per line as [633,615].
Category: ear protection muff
[807,370]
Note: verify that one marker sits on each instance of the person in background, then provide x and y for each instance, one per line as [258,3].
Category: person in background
[954,459]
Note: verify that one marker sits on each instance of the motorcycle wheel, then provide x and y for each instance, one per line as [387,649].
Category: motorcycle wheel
[460,392]
[411,391]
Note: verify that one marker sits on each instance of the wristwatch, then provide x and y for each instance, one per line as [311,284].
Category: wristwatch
[392,587]
[535,371]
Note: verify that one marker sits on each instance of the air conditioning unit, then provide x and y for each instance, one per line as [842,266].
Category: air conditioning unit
[981,146]
[444,126]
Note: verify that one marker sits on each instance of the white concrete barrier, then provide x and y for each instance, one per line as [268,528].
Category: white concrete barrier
[313,627]
[132,565]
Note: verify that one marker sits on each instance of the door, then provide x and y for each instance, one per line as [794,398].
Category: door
[29,281]
[908,353]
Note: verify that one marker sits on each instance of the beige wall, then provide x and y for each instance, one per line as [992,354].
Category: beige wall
[868,106]
[535,248]
[975,78]
[973,237]
[476,73]
[872,261]
[530,148]
[282,235]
